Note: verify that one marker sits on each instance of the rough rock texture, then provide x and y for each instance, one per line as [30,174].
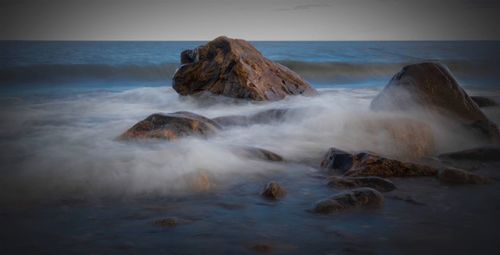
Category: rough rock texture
[483,101]
[380,184]
[458,176]
[369,164]
[171,126]
[430,86]
[487,153]
[273,191]
[365,197]
[234,68]
[263,117]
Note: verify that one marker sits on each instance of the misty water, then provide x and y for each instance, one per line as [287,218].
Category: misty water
[68,185]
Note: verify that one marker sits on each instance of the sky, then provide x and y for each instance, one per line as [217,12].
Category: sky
[250,19]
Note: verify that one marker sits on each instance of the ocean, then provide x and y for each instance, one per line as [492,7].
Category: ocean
[69,186]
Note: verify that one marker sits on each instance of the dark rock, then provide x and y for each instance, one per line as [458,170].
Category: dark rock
[370,164]
[262,248]
[365,197]
[483,101]
[432,88]
[407,199]
[457,176]
[487,153]
[380,184]
[171,126]
[273,191]
[256,153]
[234,68]
[337,161]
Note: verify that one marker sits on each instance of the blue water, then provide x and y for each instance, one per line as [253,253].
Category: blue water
[93,65]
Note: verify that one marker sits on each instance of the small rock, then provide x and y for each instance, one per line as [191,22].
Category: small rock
[262,248]
[167,222]
[338,161]
[273,191]
[256,153]
[380,184]
[171,126]
[364,197]
[457,176]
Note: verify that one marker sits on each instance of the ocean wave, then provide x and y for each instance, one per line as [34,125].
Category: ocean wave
[311,71]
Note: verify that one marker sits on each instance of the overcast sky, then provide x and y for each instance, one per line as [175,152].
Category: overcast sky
[250,19]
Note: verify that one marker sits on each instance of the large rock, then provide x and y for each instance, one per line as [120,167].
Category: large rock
[398,137]
[234,68]
[171,126]
[431,87]
[361,197]
[370,164]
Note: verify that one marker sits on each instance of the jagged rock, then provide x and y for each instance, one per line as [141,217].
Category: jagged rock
[171,126]
[273,191]
[458,176]
[234,68]
[365,197]
[432,88]
[370,164]
[380,184]
[483,101]
[487,153]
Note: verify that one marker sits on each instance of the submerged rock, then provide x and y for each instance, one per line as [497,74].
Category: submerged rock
[263,117]
[365,197]
[458,176]
[487,153]
[273,191]
[171,126]
[370,164]
[484,101]
[380,184]
[432,88]
[234,68]
[256,153]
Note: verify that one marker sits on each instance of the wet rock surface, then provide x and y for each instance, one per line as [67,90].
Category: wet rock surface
[370,164]
[171,126]
[455,176]
[263,117]
[256,153]
[361,197]
[432,88]
[377,183]
[234,68]
[273,191]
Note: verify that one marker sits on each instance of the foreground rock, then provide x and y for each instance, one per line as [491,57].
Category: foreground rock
[487,153]
[456,176]
[273,191]
[234,68]
[362,197]
[432,88]
[369,164]
[484,101]
[171,126]
[377,183]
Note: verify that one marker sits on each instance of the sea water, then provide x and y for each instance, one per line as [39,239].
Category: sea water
[69,186]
